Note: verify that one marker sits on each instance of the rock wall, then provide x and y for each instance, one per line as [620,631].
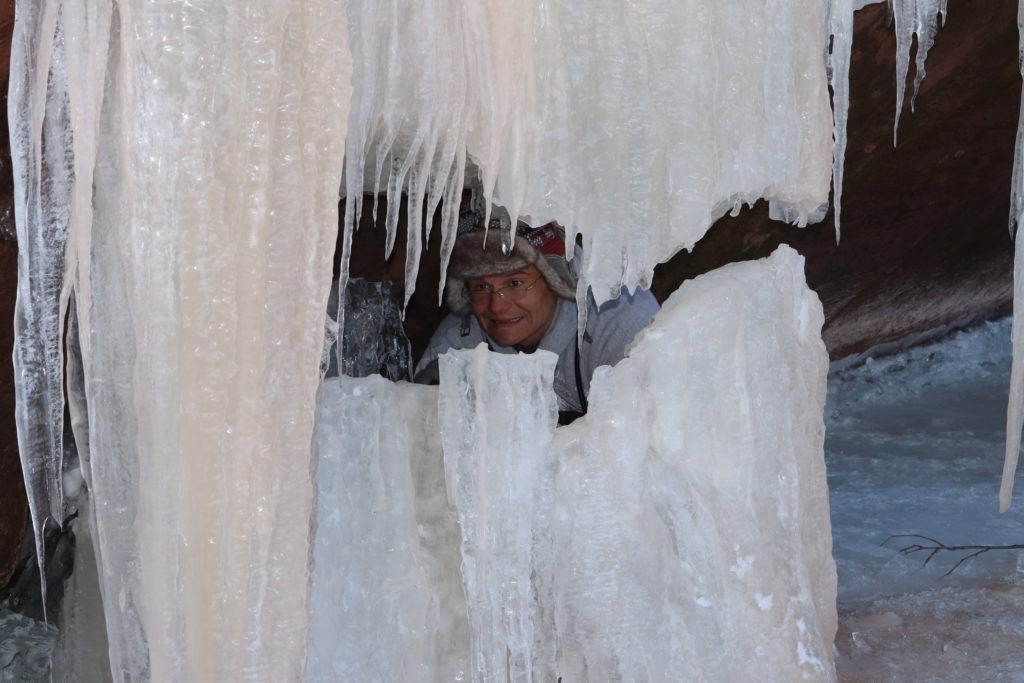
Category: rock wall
[924,234]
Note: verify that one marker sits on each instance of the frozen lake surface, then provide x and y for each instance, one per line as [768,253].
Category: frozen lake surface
[914,445]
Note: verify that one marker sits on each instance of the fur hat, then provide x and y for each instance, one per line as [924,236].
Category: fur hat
[480,254]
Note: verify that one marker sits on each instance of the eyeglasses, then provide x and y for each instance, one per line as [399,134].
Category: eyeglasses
[513,291]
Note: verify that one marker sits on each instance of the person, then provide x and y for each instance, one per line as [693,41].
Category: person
[526,300]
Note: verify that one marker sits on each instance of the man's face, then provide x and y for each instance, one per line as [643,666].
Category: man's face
[521,314]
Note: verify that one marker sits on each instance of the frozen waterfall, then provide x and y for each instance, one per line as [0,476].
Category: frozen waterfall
[177,167]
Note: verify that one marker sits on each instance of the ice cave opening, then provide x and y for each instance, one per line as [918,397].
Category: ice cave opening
[177,169]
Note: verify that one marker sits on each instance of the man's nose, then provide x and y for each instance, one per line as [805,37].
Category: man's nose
[497,302]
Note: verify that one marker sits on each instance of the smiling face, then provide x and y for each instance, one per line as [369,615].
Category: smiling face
[523,315]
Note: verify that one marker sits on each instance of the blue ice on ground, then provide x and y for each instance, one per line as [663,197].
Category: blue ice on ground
[914,445]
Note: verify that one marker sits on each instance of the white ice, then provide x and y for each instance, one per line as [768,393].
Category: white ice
[635,124]
[208,147]
[679,531]
[387,600]
[205,140]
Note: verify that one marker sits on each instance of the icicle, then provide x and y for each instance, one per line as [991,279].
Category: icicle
[920,18]
[569,113]
[409,115]
[1017,180]
[840,28]
[41,157]
[1015,407]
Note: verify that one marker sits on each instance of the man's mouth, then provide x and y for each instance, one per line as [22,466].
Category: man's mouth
[505,322]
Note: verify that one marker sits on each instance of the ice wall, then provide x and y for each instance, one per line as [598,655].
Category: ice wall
[195,177]
[679,531]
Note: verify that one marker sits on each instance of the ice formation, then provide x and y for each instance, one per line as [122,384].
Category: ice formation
[840,28]
[374,341]
[913,18]
[635,124]
[39,121]
[386,597]
[200,213]
[177,167]
[677,532]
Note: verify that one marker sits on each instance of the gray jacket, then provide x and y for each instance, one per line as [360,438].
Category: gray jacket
[610,329]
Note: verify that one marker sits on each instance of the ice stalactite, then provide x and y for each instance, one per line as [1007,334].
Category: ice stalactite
[840,29]
[679,531]
[207,143]
[1015,407]
[41,139]
[634,124]
[913,18]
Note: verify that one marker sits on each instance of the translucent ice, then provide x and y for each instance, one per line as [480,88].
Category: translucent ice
[498,414]
[374,341]
[387,599]
[840,27]
[41,156]
[679,531]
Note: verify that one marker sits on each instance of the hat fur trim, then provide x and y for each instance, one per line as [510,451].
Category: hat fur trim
[474,257]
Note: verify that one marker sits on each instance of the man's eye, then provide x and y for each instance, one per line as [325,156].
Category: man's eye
[479,288]
[516,284]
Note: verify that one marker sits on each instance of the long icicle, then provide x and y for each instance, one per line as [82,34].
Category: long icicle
[1015,407]
[41,162]
[840,29]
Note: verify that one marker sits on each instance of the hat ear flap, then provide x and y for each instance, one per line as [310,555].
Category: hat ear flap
[456,298]
[555,270]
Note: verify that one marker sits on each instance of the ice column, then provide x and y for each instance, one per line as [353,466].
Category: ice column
[497,416]
[387,597]
[637,124]
[206,141]
[679,531]
[693,537]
